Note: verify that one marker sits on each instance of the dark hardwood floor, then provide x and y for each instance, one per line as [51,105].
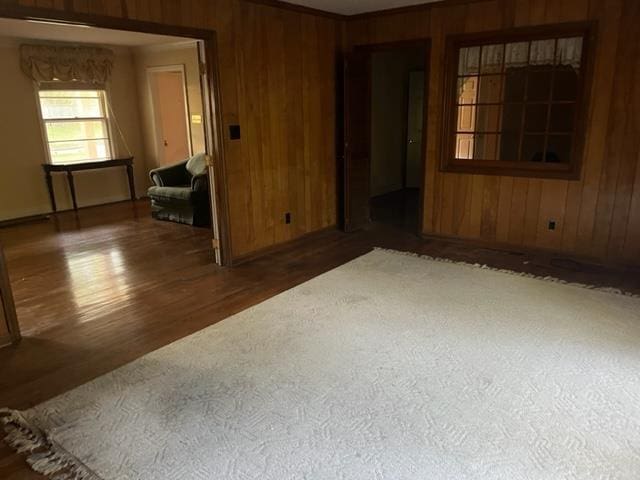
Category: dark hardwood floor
[398,209]
[100,288]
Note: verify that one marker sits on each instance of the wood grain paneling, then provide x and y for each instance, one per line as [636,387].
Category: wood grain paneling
[596,215]
[277,80]
[276,69]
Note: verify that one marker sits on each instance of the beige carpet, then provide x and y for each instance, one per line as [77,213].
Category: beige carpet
[388,367]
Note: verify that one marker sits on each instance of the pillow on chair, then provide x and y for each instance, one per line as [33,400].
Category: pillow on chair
[197,165]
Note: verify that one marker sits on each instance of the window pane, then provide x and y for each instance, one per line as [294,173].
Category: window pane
[539,86]
[514,87]
[516,55]
[562,116]
[565,84]
[464,146]
[70,107]
[533,148]
[492,58]
[490,89]
[70,93]
[535,119]
[79,151]
[569,52]
[469,61]
[488,118]
[486,147]
[559,149]
[467,90]
[512,117]
[81,130]
[542,52]
[466,119]
[509,146]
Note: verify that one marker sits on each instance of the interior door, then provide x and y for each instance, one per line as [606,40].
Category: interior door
[415,122]
[357,157]
[171,113]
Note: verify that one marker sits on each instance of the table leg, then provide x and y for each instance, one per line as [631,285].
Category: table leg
[52,194]
[132,185]
[72,188]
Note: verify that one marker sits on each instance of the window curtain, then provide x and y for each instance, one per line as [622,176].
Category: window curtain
[49,63]
[540,52]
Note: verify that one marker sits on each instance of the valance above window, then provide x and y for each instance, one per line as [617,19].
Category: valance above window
[47,63]
[562,51]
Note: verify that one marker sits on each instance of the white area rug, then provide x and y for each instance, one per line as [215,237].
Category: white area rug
[389,367]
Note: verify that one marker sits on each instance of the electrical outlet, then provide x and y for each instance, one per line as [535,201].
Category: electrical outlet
[287,218]
[552,224]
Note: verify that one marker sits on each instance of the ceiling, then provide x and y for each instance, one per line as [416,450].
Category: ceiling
[78,34]
[353,7]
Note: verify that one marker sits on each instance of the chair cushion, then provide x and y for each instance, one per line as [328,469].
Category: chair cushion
[197,165]
[170,193]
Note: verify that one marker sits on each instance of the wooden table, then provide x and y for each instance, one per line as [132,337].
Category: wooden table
[69,168]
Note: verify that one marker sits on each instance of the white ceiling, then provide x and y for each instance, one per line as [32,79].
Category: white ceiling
[352,7]
[70,33]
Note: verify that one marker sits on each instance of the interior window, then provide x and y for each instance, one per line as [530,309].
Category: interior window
[515,104]
[75,125]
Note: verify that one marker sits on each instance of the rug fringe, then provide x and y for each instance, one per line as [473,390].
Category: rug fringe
[43,456]
[613,290]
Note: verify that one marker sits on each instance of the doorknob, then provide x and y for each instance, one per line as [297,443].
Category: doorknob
[166,144]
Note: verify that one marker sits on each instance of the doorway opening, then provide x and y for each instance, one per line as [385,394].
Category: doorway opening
[173,85]
[397,112]
[385,131]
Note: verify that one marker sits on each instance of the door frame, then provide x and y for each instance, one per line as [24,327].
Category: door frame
[370,49]
[7,304]
[213,135]
[179,68]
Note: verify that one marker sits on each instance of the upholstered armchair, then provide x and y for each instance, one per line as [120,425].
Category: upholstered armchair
[181,192]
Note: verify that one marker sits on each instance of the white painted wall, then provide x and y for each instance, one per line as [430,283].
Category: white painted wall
[22,149]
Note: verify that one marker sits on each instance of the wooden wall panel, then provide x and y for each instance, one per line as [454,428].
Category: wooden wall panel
[596,215]
[277,80]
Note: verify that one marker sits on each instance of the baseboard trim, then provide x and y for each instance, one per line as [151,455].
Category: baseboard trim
[21,220]
[509,247]
[279,247]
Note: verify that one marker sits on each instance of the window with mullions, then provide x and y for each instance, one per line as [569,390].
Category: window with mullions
[75,125]
[515,104]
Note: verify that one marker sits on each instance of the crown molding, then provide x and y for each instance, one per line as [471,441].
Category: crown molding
[299,8]
[360,16]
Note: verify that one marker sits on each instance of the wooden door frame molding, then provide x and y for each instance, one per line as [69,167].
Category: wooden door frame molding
[424,43]
[7,304]
[209,38]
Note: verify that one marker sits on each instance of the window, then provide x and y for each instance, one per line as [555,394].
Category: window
[515,104]
[75,125]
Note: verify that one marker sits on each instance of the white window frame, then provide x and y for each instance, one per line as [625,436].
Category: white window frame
[63,86]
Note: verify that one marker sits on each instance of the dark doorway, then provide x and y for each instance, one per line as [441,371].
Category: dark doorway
[385,105]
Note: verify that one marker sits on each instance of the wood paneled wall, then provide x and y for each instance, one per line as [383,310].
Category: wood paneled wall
[277,81]
[597,216]
[277,75]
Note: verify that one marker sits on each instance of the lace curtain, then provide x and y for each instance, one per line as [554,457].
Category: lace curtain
[542,52]
[46,63]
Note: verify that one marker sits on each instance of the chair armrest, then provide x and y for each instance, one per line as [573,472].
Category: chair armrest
[171,176]
[200,183]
